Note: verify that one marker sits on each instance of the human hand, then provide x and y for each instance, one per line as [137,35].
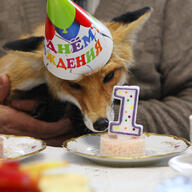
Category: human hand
[13,120]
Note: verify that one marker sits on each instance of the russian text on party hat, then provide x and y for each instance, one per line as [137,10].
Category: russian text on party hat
[76,43]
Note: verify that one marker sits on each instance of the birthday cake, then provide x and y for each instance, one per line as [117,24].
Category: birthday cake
[122,145]
[125,137]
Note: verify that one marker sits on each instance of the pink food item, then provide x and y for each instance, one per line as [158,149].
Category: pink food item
[1,148]
[122,145]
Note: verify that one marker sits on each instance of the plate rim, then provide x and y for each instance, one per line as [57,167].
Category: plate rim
[43,143]
[175,163]
[64,145]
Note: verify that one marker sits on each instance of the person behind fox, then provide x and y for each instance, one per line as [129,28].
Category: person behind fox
[165,103]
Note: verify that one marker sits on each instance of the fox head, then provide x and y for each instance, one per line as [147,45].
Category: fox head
[91,93]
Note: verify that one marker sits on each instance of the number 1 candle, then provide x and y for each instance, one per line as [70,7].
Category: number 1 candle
[128,95]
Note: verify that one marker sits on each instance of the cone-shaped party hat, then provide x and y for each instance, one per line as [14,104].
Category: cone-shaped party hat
[76,43]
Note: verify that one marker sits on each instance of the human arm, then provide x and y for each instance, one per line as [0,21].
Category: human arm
[14,121]
[167,116]
[169,113]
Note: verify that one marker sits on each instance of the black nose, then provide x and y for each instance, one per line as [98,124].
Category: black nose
[101,124]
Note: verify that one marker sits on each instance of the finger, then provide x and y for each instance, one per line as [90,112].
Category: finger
[33,127]
[58,141]
[53,129]
[17,122]
[24,105]
[4,87]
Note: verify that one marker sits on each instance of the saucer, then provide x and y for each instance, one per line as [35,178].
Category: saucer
[182,163]
[158,147]
[19,147]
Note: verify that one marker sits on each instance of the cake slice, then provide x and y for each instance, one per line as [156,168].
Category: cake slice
[122,145]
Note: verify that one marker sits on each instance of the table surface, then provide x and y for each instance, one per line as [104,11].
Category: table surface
[111,179]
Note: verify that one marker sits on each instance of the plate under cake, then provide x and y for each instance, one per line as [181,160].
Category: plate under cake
[158,147]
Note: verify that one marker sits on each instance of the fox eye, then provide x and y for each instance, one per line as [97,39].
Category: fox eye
[75,85]
[108,77]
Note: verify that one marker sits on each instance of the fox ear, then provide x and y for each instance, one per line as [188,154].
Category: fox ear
[126,26]
[30,49]
[27,45]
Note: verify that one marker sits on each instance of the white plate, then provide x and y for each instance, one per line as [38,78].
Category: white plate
[158,147]
[19,147]
[182,163]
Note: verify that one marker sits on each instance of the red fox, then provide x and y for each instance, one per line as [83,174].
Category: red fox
[91,93]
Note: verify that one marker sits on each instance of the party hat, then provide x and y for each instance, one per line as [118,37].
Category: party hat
[76,43]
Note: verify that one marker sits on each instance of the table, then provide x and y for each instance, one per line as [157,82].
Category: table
[111,179]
